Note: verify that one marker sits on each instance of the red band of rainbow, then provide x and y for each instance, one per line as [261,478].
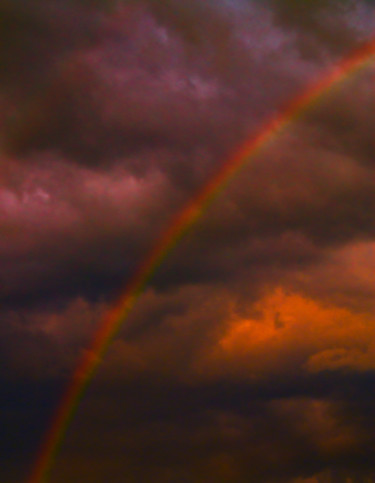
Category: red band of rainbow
[175,231]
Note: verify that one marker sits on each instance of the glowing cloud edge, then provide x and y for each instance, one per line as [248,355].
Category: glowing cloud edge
[178,226]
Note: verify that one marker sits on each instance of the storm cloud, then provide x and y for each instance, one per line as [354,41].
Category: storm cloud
[250,356]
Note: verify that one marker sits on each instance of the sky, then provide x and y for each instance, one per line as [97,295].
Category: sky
[250,355]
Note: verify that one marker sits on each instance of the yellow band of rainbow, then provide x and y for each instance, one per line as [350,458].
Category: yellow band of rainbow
[175,231]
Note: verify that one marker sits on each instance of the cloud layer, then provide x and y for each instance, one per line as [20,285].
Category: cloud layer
[250,356]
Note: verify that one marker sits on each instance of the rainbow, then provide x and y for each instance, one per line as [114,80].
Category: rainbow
[178,226]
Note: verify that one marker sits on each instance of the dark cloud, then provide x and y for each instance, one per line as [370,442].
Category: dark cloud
[125,81]
[250,355]
[26,407]
[310,191]
[219,432]
[323,26]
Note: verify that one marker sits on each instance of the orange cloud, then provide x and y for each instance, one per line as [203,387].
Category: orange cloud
[289,332]
[285,334]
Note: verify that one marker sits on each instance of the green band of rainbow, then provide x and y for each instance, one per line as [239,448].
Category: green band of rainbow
[175,231]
